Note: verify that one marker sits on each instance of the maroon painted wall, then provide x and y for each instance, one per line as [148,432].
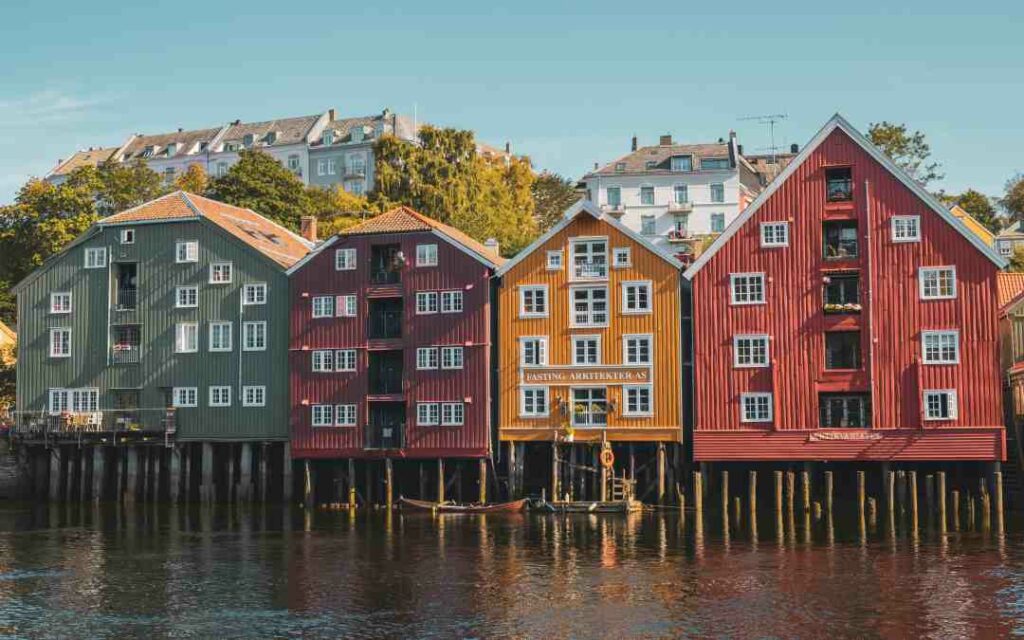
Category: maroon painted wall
[470,329]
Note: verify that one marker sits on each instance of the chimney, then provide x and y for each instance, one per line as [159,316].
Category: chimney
[508,148]
[492,246]
[330,115]
[237,122]
[739,149]
[307,228]
[632,147]
[794,148]
[665,140]
[180,129]
[595,166]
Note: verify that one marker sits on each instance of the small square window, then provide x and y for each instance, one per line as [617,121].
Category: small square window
[533,301]
[750,351]
[426,358]
[346,306]
[60,342]
[95,257]
[426,302]
[717,222]
[774,234]
[533,352]
[426,255]
[451,357]
[756,407]
[747,288]
[453,414]
[451,302]
[255,293]
[940,347]
[185,397]
[940,405]
[637,400]
[622,257]
[323,306]
[220,273]
[220,396]
[186,251]
[323,415]
[345,259]
[345,360]
[220,336]
[186,297]
[323,361]
[937,283]
[717,192]
[127,236]
[586,350]
[555,260]
[427,414]
[345,415]
[906,228]
[646,195]
[533,402]
[254,336]
[636,349]
[648,225]
[60,302]
[186,337]
[254,396]
[636,297]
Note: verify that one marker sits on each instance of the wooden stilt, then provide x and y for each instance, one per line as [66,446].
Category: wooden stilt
[554,472]
[912,480]
[861,493]
[99,473]
[955,496]
[388,489]
[510,470]
[307,484]
[780,533]
[174,475]
[56,474]
[207,479]
[351,483]
[872,512]
[971,511]
[725,491]
[264,470]
[828,491]
[603,493]
[752,491]
[661,473]
[805,485]
[482,466]
[816,509]
[929,497]
[985,502]
[244,487]
[698,499]
[132,472]
[890,499]
[736,506]
[286,478]
[997,479]
[941,479]
[573,488]
[440,479]
[232,491]
[790,490]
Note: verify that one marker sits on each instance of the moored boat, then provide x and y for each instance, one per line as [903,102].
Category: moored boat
[450,507]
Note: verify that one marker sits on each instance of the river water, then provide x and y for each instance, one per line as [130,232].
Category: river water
[151,572]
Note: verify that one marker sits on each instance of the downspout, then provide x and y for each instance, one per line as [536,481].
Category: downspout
[241,338]
[868,295]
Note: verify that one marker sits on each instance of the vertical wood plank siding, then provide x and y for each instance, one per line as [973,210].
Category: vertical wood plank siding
[891,323]
[663,324]
[470,329]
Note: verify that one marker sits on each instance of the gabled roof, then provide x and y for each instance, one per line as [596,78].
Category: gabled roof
[636,161]
[1010,286]
[589,208]
[84,158]
[404,220]
[972,223]
[186,142]
[1013,232]
[392,123]
[269,238]
[839,122]
[288,130]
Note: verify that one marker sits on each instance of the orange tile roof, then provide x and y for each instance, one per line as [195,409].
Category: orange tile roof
[269,238]
[1010,287]
[403,219]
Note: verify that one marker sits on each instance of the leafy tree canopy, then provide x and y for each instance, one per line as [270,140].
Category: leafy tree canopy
[910,151]
[337,209]
[552,195]
[258,182]
[1013,201]
[194,180]
[980,207]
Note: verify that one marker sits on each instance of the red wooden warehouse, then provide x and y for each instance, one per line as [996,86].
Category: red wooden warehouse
[846,315]
[390,343]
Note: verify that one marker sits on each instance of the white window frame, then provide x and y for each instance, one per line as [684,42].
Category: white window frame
[216,390]
[179,292]
[574,340]
[586,243]
[345,259]
[939,334]
[555,260]
[185,397]
[186,251]
[639,284]
[64,344]
[534,288]
[770,237]
[545,391]
[952,404]
[254,293]
[426,255]
[627,389]
[449,411]
[332,166]
[322,415]
[346,306]
[541,350]
[752,338]
[326,306]
[60,302]
[923,274]
[180,336]
[321,361]
[127,236]
[345,415]
[260,329]
[640,195]
[95,257]
[648,224]
[230,340]
[629,337]
[321,167]
[426,302]
[346,360]
[590,313]
[427,358]
[448,357]
[733,277]
[428,414]
[254,395]
[451,301]
[217,272]
[622,257]
[899,227]
[754,396]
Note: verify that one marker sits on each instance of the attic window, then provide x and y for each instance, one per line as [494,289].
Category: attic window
[148,151]
[651,164]
[171,149]
[682,163]
[328,137]
[203,145]
[714,163]
[231,146]
[839,184]
[620,167]
[247,139]
[271,137]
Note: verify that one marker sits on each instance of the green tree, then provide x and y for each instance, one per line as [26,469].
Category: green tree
[123,186]
[194,180]
[980,207]
[1017,261]
[1013,201]
[910,151]
[336,209]
[258,182]
[552,195]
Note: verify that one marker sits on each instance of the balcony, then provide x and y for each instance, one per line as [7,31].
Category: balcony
[680,207]
[615,210]
[386,263]
[127,299]
[126,347]
[590,269]
[678,235]
[386,370]
[386,434]
[116,421]
[385,319]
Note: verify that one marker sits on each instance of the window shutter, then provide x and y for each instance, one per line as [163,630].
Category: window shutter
[339,306]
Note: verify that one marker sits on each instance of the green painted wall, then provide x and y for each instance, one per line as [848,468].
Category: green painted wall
[160,368]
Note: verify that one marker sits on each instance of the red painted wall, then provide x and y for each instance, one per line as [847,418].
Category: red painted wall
[891,321]
[470,329]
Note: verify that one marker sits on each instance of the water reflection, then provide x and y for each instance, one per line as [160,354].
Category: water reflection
[88,571]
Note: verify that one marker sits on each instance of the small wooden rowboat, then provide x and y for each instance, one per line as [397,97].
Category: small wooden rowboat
[450,507]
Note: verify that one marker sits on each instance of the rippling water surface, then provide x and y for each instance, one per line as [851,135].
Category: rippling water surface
[154,572]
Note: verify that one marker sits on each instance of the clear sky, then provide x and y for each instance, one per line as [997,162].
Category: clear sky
[566,84]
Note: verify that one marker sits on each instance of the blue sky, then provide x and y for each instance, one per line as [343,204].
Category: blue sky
[566,84]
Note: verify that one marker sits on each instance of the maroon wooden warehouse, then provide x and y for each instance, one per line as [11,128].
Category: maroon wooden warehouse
[846,315]
[390,343]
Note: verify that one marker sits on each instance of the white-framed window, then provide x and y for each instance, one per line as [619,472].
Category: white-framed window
[451,302]
[636,297]
[426,255]
[533,402]
[637,400]
[589,307]
[755,407]
[586,350]
[82,400]
[255,293]
[717,222]
[346,306]
[681,163]
[646,195]
[555,260]
[717,191]
[332,166]
[60,302]
[940,347]
[648,225]
[321,167]
[681,194]
[940,404]
[428,414]
[95,257]
[185,396]
[746,288]
[774,234]
[426,358]
[622,257]
[426,302]
[323,360]
[323,306]
[937,283]
[345,415]
[345,360]
[127,236]
[589,258]
[220,273]
[453,414]
[220,396]
[254,396]
[186,337]
[750,351]
[220,336]
[254,335]
[613,196]
[186,251]
[323,415]
[1005,248]
[60,342]
[637,349]
[345,259]
[906,228]
[186,297]
[533,301]
[451,357]
[533,351]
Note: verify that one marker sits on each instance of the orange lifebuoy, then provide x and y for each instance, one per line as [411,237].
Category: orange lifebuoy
[607,458]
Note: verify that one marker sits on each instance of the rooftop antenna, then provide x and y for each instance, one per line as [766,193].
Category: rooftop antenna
[770,121]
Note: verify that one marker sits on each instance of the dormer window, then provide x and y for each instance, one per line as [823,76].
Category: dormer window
[620,167]
[171,149]
[681,163]
[271,137]
[838,184]
[148,151]
[231,146]
[713,164]
[651,164]
[328,138]
[247,140]
[203,146]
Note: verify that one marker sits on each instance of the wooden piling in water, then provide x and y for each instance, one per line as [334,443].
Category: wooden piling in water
[971,521]
[955,495]
[861,492]
[941,489]
[206,490]
[661,473]
[805,482]
[828,492]
[440,479]
[872,512]
[307,484]
[482,472]
[554,472]
[388,487]
[816,508]
[890,499]
[912,480]
[56,474]
[790,490]
[997,480]
[99,472]
[725,491]
[985,503]
[752,491]
[698,499]
[929,496]
[173,474]
[351,483]
[778,492]
[736,507]
[245,473]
